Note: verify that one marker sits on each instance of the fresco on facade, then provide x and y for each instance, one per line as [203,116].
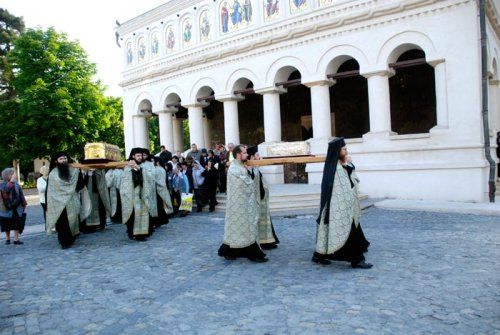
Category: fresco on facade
[205,24]
[155,45]
[325,2]
[142,49]
[170,39]
[297,6]
[235,15]
[187,34]
[271,10]
[130,54]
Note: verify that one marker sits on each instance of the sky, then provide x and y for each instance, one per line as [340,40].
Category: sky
[91,22]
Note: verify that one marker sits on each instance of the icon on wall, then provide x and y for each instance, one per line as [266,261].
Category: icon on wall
[155,45]
[130,54]
[271,10]
[205,27]
[186,33]
[170,39]
[142,49]
[235,15]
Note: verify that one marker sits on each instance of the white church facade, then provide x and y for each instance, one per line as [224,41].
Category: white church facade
[401,80]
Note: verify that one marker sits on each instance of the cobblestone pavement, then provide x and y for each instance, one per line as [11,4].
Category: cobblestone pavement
[434,273]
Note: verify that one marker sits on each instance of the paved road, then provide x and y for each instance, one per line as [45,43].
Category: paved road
[434,273]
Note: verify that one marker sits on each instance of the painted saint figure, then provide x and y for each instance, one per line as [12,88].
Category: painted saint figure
[272,7]
[170,39]
[247,11]
[187,32]
[299,3]
[205,25]
[224,18]
[155,45]
[236,15]
[142,50]
[130,55]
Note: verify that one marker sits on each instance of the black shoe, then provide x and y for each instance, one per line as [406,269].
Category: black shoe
[230,258]
[7,241]
[321,261]
[259,260]
[183,215]
[361,265]
[211,209]
[65,246]
[18,242]
[198,210]
[268,247]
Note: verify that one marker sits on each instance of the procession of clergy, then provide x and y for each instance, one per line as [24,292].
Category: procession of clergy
[138,196]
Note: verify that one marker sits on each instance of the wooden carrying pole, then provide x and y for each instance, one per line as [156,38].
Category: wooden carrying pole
[260,162]
[97,165]
[286,160]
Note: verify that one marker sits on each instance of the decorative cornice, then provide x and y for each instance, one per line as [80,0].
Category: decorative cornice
[170,7]
[334,21]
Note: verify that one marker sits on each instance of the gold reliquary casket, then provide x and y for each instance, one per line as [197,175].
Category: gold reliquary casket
[287,153]
[95,152]
[300,148]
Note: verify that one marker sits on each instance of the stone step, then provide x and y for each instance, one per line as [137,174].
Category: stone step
[284,203]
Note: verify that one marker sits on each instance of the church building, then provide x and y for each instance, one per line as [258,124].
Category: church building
[400,80]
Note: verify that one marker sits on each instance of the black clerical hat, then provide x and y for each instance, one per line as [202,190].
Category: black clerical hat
[252,150]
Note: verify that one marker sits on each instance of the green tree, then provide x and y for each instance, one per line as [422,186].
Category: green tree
[187,136]
[154,135]
[61,106]
[114,115]
[10,28]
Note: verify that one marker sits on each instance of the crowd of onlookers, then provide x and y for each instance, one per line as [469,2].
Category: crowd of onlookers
[201,172]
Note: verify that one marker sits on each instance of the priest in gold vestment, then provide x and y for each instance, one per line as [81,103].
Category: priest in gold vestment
[242,212]
[138,195]
[339,235]
[267,235]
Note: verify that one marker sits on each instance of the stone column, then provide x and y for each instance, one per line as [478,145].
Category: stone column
[231,121]
[207,132]
[379,101]
[196,132]
[272,130]
[272,113]
[166,128]
[320,107]
[141,136]
[178,134]
[441,93]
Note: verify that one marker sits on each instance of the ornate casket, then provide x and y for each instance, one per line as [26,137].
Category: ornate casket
[95,152]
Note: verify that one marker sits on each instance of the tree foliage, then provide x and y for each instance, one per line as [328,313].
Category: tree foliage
[60,106]
[10,27]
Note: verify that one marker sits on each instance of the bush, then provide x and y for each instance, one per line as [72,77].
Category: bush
[29,184]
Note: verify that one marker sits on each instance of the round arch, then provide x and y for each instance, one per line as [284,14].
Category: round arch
[143,103]
[234,82]
[170,93]
[281,69]
[400,43]
[333,58]
[202,87]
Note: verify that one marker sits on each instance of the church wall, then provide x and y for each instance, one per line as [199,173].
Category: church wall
[399,166]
